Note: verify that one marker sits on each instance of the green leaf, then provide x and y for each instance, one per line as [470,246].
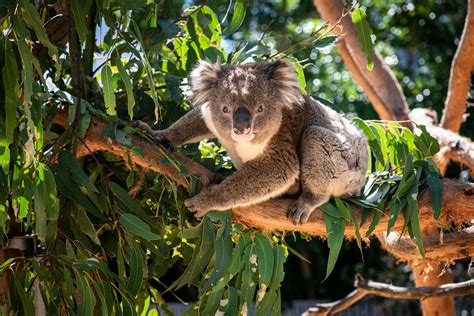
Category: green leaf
[88,264]
[414,220]
[238,16]
[128,202]
[232,300]
[330,209]
[325,42]
[359,18]
[436,188]
[11,87]
[236,264]
[342,208]
[71,190]
[264,251]
[27,72]
[52,202]
[375,221]
[32,18]
[79,20]
[40,205]
[201,256]
[212,302]
[335,228]
[68,161]
[138,227]
[86,298]
[109,90]
[356,228]
[249,278]
[86,226]
[128,87]
[272,299]
[394,207]
[223,250]
[26,301]
[136,270]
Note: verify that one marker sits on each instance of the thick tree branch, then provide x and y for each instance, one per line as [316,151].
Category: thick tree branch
[460,76]
[366,287]
[457,205]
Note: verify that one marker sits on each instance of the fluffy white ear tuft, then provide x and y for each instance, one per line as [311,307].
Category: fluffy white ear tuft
[283,75]
[204,78]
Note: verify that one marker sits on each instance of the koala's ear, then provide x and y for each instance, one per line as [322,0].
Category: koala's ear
[283,75]
[204,78]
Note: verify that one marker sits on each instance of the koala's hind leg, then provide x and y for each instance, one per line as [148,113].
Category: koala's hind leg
[326,160]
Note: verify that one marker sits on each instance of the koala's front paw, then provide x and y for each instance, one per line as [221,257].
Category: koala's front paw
[197,205]
[298,212]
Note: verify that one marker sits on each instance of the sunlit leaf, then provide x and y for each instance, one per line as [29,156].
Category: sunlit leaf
[238,16]
[335,228]
[359,18]
[79,20]
[109,90]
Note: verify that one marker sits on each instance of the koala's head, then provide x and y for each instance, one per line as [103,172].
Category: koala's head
[245,102]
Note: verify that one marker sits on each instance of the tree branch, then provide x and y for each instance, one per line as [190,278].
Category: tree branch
[460,76]
[364,288]
[380,86]
[457,204]
[455,245]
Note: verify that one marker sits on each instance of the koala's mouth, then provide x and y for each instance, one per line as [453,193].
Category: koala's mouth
[242,138]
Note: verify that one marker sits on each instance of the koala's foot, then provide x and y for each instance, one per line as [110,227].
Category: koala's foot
[158,136]
[301,208]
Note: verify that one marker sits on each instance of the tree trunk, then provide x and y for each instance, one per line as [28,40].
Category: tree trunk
[433,273]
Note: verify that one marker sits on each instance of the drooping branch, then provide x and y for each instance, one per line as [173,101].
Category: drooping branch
[366,287]
[460,77]
[380,85]
[457,205]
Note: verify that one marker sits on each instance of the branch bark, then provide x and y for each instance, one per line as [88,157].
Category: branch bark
[364,288]
[460,77]
[455,245]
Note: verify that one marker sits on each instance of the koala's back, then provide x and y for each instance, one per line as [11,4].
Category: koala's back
[338,140]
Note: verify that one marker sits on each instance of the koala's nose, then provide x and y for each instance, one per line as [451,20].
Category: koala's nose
[242,121]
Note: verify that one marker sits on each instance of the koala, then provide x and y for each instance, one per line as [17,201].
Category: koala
[279,140]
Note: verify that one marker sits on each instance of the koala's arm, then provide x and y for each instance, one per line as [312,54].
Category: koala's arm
[256,181]
[190,128]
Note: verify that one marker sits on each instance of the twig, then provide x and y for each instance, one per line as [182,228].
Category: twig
[366,287]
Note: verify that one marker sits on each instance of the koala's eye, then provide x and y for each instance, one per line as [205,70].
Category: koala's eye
[225,109]
[260,109]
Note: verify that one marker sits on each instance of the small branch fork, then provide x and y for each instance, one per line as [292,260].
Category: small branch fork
[367,287]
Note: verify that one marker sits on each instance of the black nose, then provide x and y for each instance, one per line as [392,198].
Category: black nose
[242,121]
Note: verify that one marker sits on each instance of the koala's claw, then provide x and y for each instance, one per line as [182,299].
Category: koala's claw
[158,136]
[298,213]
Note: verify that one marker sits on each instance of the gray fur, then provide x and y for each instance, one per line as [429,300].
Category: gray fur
[295,141]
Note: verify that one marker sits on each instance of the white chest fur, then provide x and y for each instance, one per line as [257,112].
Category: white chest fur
[248,151]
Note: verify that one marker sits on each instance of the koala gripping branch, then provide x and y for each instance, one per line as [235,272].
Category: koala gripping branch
[457,205]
